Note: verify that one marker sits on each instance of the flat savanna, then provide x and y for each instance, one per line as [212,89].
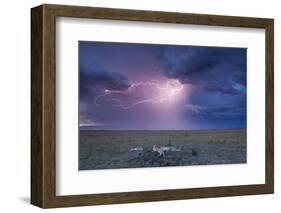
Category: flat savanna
[100,149]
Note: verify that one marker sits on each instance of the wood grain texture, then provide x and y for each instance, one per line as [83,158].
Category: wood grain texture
[269,118]
[36,106]
[43,105]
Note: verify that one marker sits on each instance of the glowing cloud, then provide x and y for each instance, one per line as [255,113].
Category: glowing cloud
[152,92]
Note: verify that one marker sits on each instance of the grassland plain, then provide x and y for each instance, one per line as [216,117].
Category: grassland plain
[100,149]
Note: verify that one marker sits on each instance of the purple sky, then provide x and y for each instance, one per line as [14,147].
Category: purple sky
[161,87]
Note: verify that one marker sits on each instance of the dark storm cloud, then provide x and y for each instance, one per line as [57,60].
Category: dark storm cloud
[227,87]
[125,58]
[214,108]
[101,79]
[109,80]
[93,82]
[216,112]
[213,69]
[188,64]
[215,78]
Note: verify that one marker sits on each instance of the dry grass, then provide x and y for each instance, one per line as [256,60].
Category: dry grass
[111,149]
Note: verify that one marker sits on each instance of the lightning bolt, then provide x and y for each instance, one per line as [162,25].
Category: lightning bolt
[169,90]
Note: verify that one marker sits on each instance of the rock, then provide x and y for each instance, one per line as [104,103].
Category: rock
[194,152]
[135,149]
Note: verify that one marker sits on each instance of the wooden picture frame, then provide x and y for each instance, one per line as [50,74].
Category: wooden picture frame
[43,105]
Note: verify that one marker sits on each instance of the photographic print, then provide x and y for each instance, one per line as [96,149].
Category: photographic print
[159,105]
[163,99]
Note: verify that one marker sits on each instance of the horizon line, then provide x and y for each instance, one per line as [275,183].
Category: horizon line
[234,128]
